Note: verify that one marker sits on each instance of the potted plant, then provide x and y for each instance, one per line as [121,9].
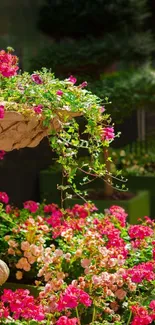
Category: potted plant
[37,105]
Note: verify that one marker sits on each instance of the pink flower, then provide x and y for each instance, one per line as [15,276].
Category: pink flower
[38,109]
[2,111]
[72,79]
[22,305]
[102,109]
[85,262]
[25,246]
[140,231]
[31,206]
[2,154]
[141,316]
[80,211]
[108,133]
[4,197]
[64,320]
[55,219]
[50,208]
[83,85]
[120,294]
[119,213]
[36,78]
[8,64]
[142,271]
[59,93]
[8,208]
[152,305]
[72,297]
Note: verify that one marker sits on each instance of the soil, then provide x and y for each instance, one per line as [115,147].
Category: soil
[117,195]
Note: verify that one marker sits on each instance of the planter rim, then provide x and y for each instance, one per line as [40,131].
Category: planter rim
[19,130]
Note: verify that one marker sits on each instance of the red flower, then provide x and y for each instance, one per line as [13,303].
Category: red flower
[59,92]
[2,111]
[64,320]
[38,109]
[4,197]
[32,206]
[108,133]
[152,305]
[2,154]
[36,78]
[8,64]
[83,85]
[72,79]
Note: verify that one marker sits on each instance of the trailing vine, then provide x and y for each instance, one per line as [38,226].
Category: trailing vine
[47,98]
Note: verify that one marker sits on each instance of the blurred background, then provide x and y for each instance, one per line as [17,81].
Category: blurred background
[109,43]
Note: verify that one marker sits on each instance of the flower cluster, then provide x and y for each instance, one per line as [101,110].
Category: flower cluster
[20,305]
[8,64]
[92,268]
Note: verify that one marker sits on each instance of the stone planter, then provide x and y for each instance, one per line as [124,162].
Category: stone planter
[19,130]
[144,183]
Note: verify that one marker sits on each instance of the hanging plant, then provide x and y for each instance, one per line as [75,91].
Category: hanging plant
[38,105]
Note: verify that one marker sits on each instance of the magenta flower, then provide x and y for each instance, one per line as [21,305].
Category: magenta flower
[4,197]
[152,304]
[140,231]
[102,110]
[72,79]
[32,206]
[59,92]
[22,305]
[84,84]
[108,133]
[72,297]
[36,78]
[38,109]
[64,320]
[8,64]
[2,111]
[8,208]
[2,154]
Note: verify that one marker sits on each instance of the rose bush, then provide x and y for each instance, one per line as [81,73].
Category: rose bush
[93,268]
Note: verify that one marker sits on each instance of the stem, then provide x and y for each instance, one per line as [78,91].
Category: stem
[81,197]
[129,319]
[108,190]
[77,315]
[107,173]
[49,320]
[62,182]
[94,314]
[8,219]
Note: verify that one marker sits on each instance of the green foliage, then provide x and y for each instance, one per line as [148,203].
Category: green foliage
[127,91]
[92,35]
[88,58]
[138,162]
[78,19]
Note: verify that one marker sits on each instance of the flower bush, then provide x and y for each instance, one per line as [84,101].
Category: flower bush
[136,163]
[91,268]
[42,95]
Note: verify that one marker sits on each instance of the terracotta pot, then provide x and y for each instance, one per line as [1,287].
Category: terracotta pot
[19,131]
